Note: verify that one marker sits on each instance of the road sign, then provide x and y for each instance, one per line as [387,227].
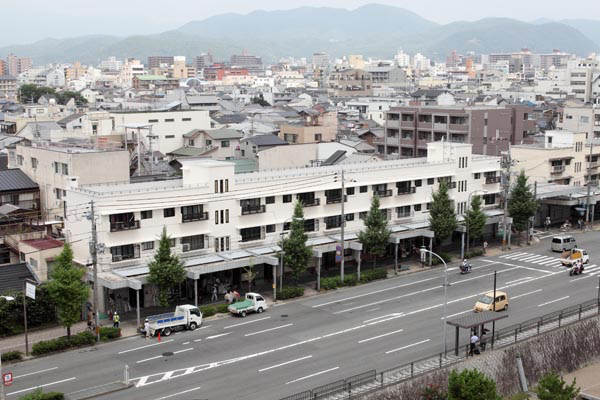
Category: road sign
[30,290]
[7,378]
[338,253]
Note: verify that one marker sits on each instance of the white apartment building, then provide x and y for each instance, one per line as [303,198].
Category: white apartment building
[54,166]
[219,221]
[167,127]
[578,117]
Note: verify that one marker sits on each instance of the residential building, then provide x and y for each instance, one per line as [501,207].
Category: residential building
[320,60]
[560,158]
[111,64]
[219,221]
[250,62]
[18,190]
[388,75]
[160,61]
[55,78]
[579,117]
[585,78]
[130,69]
[55,165]
[8,88]
[218,144]
[316,125]
[179,70]
[250,146]
[350,82]
[77,71]
[3,68]
[39,252]
[489,129]
[202,61]
[17,65]
[159,83]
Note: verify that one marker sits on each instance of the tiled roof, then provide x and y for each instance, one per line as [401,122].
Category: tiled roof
[12,277]
[15,179]
[43,244]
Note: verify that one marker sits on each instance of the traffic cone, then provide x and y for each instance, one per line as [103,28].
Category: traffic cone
[159,336]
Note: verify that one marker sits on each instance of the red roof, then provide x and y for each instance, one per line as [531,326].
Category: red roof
[43,244]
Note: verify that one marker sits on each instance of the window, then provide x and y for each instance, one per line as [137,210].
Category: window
[362,214]
[333,196]
[169,120]
[147,214]
[222,243]
[190,243]
[430,181]
[169,212]
[287,198]
[318,137]
[243,153]
[417,207]
[350,191]
[193,213]
[270,228]
[65,169]
[172,242]
[403,212]
[34,162]
[221,185]
[428,206]
[208,142]
[224,143]
[477,175]
[192,143]
[169,136]
[364,189]
[270,200]
[152,120]
[250,234]
[287,226]
[333,222]
[147,245]
[125,252]
[186,119]
[419,183]
[349,217]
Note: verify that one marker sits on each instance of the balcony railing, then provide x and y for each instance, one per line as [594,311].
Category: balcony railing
[407,190]
[383,193]
[492,179]
[124,226]
[254,210]
[557,169]
[199,216]
[310,202]
[334,200]
[595,164]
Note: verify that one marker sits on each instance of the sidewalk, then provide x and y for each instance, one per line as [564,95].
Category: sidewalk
[587,380]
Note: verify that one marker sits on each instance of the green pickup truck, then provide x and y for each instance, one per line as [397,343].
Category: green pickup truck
[254,302]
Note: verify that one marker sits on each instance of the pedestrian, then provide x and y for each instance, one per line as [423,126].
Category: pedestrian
[483,340]
[214,296]
[236,295]
[116,320]
[474,340]
[547,224]
[147,328]
[229,297]
[485,244]
[580,224]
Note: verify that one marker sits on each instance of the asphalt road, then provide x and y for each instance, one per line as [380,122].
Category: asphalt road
[314,341]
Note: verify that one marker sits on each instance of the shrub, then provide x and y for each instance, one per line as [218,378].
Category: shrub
[351,279]
[109,333]
[373,274]
[445,256]
[331,283]
[39,311]
[290,292]
[12,356]
[63,343]
[474,253]
[39,395]
[208,311]
[552,387]
[222,308]
[433,392]
[471,384]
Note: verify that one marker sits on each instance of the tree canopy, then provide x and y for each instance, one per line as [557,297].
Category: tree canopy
[552,387]
[471,384]
[296,254]
[522,205]
[475,218]
[32,93]
[166,270]
[374,237]
[442,216]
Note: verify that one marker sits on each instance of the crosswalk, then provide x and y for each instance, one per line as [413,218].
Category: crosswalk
[547,261]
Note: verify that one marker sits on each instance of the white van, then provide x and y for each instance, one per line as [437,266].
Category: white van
[563,243]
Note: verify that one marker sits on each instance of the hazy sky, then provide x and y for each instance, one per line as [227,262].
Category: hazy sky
[27,21]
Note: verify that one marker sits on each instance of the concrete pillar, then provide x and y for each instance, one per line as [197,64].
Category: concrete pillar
[358,261]
[319,274]
[196,292]
[396,258]
[137,306]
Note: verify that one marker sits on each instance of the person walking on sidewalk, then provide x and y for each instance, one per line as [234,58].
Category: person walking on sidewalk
[116,320]
[485,244]
[547,224]
[214,296]
[147,328]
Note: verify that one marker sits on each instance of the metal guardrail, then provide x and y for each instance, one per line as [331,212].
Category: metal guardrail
[372,381]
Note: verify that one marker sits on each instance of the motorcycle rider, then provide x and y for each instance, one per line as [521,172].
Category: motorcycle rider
[465,266]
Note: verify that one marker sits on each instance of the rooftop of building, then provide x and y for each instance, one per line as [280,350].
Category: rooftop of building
[73,146]
[154,78]
[44,243]
[14,180]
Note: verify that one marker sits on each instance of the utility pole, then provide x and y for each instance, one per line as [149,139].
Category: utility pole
[342,230]
[506,164]
[94,251]
[589,186]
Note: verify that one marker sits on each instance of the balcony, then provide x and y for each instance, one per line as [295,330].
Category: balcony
[404,214]
[425,125]
[124,226]
[334,200]
[254,209]
[407,190]
[200,216]
[557,169]
[459,127]
[383,193]
[408,124]
[310,202]
[595,164]
[492,179]
[451,185]
[438,126]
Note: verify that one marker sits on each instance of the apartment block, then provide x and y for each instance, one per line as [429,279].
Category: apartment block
[316,125]
[489,129]
[350,82]
[159,61]
[577,117]
[16,65]
[8,87]
[221,221]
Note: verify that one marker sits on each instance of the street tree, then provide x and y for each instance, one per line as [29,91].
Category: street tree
[442,216]
[475,219]
[250,273]
[471,384]
[552,387]
[296,254]
[522,204]
[67,288]
[166,270]
[375,235]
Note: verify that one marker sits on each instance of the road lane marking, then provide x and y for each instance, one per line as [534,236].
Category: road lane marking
[374,292]
[183,351]
[381,317]
[219,335]
[41,386]
[204,327]
[267,330]
[197,340]
[380,336]
[407,346]
[520,279]
[36,372]
[247,322]
[458,313]
[373,309]
[284,363]
[145,347]
[178,394]
[311,375]
[526,294]
[148,359]
[184,343]
[553,301]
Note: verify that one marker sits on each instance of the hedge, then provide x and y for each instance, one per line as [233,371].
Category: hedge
[39,311]
[447,258]
[12,356]
[352,280]
[63,343]
[222,308]
[290,292]
[109,333]
[208,311]
[39,395]
[474,253]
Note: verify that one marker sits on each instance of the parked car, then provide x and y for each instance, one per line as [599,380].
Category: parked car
[254,302]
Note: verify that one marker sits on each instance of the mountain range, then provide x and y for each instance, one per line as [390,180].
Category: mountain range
[373,30]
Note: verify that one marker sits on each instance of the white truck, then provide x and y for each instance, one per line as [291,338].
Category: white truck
[185,317]
[569,257]
[254,303]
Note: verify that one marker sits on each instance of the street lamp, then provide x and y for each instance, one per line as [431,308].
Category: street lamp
[468,207]
[424,251]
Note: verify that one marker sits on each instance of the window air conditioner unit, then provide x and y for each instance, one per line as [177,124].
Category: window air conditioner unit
[185,247]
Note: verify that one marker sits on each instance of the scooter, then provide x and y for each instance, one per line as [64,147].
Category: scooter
[576,270]
[465,268]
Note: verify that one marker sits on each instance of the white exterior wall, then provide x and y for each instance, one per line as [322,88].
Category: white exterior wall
[183,122]
[197,187]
